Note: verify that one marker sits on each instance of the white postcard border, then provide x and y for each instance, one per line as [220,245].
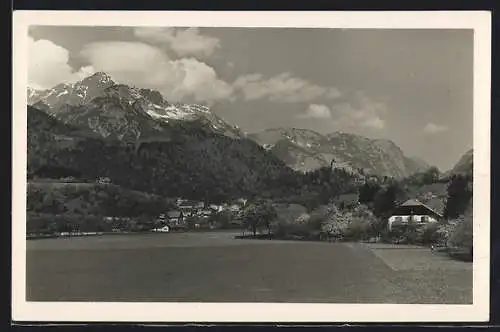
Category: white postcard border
[480,21]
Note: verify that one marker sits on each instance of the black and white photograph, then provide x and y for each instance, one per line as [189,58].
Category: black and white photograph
[331,164]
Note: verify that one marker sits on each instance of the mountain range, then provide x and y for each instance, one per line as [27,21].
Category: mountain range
[304,149]
[128,114]
[119,111]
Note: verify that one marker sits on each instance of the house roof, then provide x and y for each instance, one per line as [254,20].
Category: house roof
[414,206]
[174,214]
[412,202]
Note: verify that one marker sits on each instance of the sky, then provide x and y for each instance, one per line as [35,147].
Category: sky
[414,87]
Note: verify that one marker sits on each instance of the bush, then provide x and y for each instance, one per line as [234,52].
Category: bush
[429,234]
[336,223]
[286,228]
[362,224]
[462,234]
[51,224]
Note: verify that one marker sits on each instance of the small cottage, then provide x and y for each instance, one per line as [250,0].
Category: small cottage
[205,213]
[175,218]
[190,208]
[216,208]
[412,211]
[103,180]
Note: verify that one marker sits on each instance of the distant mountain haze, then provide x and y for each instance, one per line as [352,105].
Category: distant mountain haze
[304,149]
[464,165]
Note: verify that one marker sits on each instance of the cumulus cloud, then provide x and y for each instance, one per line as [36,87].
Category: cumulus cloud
[359,111]
[282,88]
[48,65]
[432,128]
[186,79]
[317,111]
[144,65]
[184,41]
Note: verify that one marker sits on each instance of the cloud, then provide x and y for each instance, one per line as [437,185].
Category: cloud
[316,111]
[359,111]
[48,65]
[144,65]
[184,41]
[432,128]
[374,122]
[282,88]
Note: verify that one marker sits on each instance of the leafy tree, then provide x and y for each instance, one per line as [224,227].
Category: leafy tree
[367,192]
[459,196]
[431,175]
[258,215]
[336,222]
[385,201]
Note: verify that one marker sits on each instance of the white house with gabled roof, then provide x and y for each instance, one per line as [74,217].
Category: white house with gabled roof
[412,211]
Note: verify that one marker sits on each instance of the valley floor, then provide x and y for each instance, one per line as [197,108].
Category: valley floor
[215,267]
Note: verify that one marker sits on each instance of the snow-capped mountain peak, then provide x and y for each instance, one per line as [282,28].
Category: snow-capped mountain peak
[99,91]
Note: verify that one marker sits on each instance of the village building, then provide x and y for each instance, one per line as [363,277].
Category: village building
[205,213]
[103,180]
[412,211]
[175,218]
[235,208]
[190,208]
[163,229]
[216,208]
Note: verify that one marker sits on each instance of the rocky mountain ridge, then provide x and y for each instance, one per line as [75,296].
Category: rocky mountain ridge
[119,110]
[126,113]
[304,149]
[464,165]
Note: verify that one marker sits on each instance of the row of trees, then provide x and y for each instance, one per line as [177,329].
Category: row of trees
[90,199]
[358,223]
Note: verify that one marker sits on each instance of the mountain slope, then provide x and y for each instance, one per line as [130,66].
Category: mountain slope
[193,162]
[464,165]
[304,150]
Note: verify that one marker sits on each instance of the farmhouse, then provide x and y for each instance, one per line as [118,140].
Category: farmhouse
[412,211]
[205,213]
[190,208]
[103,180]
[175,218]
[216,208]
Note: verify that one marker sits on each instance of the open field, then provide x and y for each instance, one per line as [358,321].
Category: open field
[215,267]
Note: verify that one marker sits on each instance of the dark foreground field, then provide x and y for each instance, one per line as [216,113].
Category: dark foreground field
[215,267]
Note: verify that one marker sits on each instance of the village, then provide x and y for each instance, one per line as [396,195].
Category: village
[199,215]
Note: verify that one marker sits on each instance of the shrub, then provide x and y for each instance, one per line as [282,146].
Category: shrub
[50,223]
[429,234]
[296,227]
[362,224]
[336,223]
[462,234]
[421,234]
